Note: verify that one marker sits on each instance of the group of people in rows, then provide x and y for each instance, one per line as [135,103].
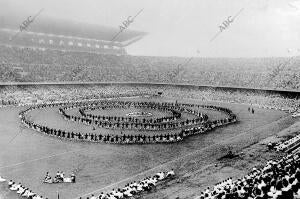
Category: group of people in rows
[21,190]
[257,98]
[59,178]
[127,139]
[43,94]
[175,114]
[39,94]
[284,145]
[134,188]
[134,123]
[276,180]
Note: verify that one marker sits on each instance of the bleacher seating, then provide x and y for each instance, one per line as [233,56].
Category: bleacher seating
[288,144]
[40,65]
[277,180]
[135,189]
[32,94]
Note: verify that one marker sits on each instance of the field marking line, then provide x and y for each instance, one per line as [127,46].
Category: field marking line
[59,154]
[176,159]
[45,157]
[42,158]
[15,135]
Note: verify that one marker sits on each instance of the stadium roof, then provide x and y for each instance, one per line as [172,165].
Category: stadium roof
[71,28]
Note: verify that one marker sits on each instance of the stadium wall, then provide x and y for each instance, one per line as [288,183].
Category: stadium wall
[285,93]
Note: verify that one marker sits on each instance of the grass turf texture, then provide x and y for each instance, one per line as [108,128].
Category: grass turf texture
[30,155]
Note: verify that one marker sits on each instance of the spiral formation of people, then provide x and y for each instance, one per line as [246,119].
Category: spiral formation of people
[180,121]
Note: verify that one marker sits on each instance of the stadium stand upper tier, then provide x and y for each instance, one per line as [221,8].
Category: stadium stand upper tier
[46,32]
[32,64]
[63,51]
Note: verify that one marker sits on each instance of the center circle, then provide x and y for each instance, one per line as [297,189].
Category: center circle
[139,114]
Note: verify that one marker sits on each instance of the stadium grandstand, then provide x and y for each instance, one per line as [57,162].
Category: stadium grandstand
[76,51]
[22,64]
[64,35]
[83,118]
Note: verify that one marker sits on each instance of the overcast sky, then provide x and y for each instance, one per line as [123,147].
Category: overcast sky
[264,28]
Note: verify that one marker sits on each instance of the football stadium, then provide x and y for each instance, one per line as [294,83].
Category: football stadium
[82,118]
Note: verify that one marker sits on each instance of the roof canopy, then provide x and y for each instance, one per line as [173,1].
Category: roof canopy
[70,28]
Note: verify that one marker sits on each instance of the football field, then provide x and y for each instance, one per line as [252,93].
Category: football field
[26,155]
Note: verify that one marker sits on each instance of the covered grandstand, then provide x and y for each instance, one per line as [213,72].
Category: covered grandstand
[48,33]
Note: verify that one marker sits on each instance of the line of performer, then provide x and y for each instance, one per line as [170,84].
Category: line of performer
[129,138]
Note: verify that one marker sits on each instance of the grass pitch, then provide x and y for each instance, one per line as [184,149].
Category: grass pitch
[99,167]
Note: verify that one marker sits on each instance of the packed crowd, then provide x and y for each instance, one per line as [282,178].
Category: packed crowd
[136,188]
[22,190]
[39,94]
[277,180]
[129,138]
[287,144]
[256,98]
[151,105]
[58,66]
[114,122]
[43,94]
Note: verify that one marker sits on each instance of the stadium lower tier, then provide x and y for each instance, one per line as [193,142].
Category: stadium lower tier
[278,179]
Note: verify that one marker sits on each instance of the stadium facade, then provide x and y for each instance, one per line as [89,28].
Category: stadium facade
[48,33]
